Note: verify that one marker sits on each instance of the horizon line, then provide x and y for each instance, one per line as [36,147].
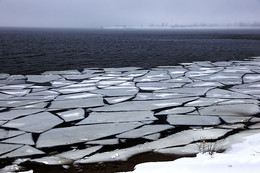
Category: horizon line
[133,27]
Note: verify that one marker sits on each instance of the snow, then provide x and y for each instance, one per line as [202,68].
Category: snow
[241,157]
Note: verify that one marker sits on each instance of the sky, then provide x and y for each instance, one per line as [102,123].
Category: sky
[106,13]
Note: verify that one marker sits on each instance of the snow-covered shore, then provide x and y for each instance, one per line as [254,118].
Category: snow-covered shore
[240,158]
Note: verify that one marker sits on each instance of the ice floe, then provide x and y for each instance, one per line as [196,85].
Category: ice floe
[4,148]
[193,120]
[12,114]
[77,103]
[68,72]
[179,110]
[21,139]
[15,87]
[77,154]
[193,91]
[22,152]
[42,78]
[72,115]
[16,92]
[77,134]
[76,96]
[234,110]
[110,117]
[148,86]
[248,78]
[144,130]
[145,105]
[235,119]
[112,141]
[52,160]
[112,92]
[67,90]
[9,133]
[221,93]
[114,100]
[152,137]
[36,123]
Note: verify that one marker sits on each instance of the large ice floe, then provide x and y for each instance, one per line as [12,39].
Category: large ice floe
[72,118]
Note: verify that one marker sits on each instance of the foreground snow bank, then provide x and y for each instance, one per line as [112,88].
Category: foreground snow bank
[241,157]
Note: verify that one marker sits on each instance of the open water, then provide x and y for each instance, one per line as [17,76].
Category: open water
[32,51]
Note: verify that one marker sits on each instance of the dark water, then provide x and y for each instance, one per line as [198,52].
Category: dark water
[32,51]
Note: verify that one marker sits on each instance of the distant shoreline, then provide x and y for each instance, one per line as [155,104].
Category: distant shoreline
[141,28]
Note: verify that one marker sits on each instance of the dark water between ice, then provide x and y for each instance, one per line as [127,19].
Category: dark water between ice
[32,51]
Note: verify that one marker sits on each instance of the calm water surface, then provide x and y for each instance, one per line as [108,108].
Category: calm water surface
[32,51]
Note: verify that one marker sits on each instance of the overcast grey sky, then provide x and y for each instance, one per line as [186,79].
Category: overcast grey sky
[96,13]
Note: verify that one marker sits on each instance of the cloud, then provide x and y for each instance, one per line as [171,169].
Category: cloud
[95,13]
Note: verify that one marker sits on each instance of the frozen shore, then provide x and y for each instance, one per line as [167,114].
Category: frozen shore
[73,119]
[240,157]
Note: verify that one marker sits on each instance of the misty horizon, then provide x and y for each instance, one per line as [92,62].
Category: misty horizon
[241,25]
[111,13]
